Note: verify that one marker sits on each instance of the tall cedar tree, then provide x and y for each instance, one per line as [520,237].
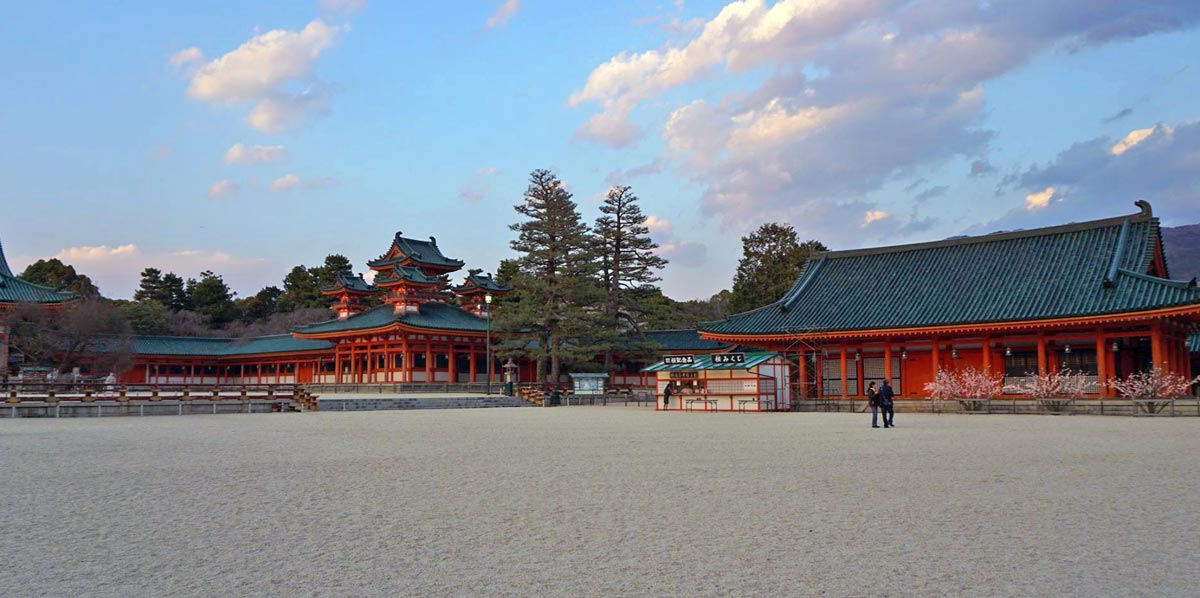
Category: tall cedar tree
[557,284]
[772,257]
[627,268]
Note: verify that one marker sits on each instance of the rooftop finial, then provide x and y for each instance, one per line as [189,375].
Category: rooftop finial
[1144,205]
[399,233]
[432,239]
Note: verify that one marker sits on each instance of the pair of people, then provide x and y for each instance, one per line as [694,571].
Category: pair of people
[882,400]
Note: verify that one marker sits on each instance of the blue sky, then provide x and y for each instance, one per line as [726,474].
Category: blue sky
[860,122]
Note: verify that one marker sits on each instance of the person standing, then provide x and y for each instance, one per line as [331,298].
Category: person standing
[885,403]
[667,395]
[873,401]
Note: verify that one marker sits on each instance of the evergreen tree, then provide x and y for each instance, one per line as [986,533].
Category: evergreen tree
[145,316]
[55,274]
[260,305]
[628,266]
[211,298]
[557,281]
[175,292]
[772,257]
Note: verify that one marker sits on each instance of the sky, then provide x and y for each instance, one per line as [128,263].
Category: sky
[249,137]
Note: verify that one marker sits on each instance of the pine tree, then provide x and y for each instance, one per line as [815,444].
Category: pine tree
[628,266]
[557,285]
[772,257]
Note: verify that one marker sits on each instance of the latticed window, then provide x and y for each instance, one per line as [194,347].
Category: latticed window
[1021,364]
[831,377]
[874,370]
[1079,360]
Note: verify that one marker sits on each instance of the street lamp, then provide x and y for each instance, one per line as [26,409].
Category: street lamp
[487,300]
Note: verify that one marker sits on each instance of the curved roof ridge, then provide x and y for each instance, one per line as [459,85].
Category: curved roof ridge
[996,236]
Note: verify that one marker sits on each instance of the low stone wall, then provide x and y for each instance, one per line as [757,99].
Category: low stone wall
[416,402]
[138,408]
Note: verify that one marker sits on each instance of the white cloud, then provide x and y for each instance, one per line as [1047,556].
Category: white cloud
[874,216]
[262,69]
[100,252]
[289,182]
[477,188]
[1137,136]
[116,268]
[503,13]
[242,154]
[222,189]
[1039,200]
[187,56]
[658,225]
[854,94]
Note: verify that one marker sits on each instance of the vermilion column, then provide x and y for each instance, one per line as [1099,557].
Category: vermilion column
[428,362]
[1041,350]
[845,373]
[987,356]
[1102,362]
[887,360]
[803,364]
[1157,353]
[937,358]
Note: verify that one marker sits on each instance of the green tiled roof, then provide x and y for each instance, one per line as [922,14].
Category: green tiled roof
[705,362]
[481,281]
[220,347]
[682,340]
[423,252]
[433,316]
[350,282]
[16,290]
[1090,268]
[408,273]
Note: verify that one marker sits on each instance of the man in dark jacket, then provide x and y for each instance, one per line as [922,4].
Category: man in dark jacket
[885,403]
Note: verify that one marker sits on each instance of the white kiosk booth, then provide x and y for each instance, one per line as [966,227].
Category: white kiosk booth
[723,382]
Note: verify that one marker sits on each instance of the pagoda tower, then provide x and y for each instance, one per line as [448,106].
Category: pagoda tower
[351,294]
[474,292]
[413,272]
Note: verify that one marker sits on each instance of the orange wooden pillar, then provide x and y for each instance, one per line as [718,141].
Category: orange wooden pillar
[845,373]
[936,359]
[887,361]
[987,356]
[1041,352]
[452,370]
[803,365]
[1102,363]
[1157,352]
[820,374]
[428,362]
[471,368]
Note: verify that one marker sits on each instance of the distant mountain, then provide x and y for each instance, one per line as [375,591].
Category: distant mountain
[1182,247]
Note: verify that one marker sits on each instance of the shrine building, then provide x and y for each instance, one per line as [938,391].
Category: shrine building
[1094,297]
[401,328]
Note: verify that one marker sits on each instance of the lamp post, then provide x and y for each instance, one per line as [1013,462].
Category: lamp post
[487,300]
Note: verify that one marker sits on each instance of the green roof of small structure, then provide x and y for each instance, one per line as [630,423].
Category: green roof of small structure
[222,347]
[350,282]
[1194,343]
[16,290]
[481,281]
[406,273]
[422,252]
[433,316]
[1084,269]
[705,362]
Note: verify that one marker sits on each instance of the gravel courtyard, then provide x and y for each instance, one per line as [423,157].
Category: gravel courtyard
[599,501]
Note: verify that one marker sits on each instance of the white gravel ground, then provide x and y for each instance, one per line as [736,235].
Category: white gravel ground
[598,501]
